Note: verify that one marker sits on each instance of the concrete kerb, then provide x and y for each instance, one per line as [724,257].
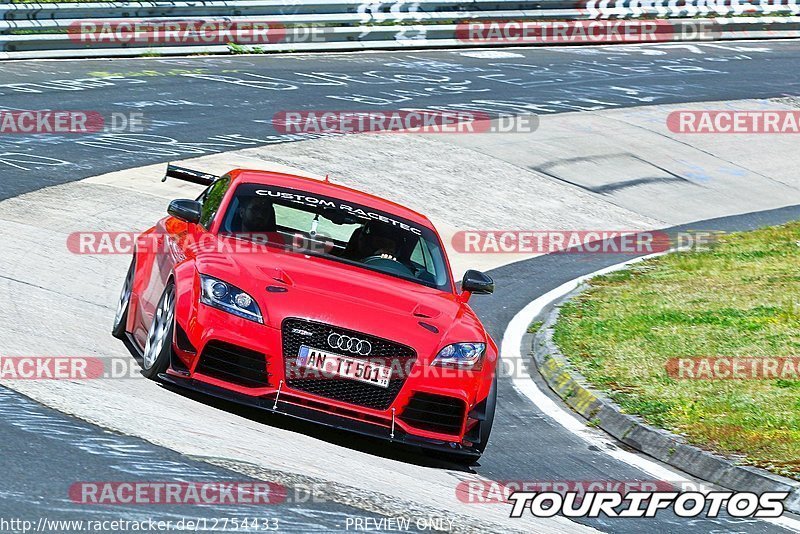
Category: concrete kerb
[600,411]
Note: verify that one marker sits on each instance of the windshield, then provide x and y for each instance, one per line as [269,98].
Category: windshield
[337,230]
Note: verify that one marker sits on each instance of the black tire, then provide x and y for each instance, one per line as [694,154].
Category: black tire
[121,317]
[158,349]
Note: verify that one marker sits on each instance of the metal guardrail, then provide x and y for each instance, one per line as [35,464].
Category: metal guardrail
[44,30]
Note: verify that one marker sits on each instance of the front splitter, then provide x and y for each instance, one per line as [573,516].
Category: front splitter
[457,451]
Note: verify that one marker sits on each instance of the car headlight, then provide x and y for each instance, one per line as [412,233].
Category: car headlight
[461,355]
[229,298]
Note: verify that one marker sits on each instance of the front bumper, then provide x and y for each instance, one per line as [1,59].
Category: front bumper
[273,403]
[209,325]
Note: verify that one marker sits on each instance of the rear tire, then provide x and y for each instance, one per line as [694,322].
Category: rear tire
[158,349]
[123,306]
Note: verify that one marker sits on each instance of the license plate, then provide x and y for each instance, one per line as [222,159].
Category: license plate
[330,364]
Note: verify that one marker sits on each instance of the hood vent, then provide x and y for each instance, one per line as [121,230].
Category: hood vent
[425,312]
[278,275]
[429,327]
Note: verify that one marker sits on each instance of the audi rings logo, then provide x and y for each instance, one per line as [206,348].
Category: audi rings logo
[350,344]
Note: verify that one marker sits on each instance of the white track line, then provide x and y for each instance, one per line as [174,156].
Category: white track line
[511,349]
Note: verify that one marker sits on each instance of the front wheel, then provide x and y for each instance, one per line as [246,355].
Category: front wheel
[121,317]
[158,349]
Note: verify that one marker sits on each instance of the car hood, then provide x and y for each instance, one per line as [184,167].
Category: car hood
[287,284]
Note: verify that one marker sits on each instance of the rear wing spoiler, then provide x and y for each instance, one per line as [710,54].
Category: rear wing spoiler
[189,175]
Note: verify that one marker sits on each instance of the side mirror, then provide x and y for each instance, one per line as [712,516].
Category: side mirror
[477,282]
[185,210]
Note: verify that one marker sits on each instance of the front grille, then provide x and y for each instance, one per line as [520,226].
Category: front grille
[395,355]
[434,413]
[234,364]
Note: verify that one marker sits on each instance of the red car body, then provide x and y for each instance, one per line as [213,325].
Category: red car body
[298,294]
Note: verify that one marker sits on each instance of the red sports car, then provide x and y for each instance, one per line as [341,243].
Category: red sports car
[314,300]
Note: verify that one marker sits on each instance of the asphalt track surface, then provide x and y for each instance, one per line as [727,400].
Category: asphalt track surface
[52,451]
[196,106]
[192,110]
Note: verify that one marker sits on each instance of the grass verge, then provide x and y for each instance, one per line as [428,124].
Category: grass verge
[740,299]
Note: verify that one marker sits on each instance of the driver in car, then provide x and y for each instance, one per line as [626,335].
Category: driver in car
[255,221]
[257,215]
[377,240]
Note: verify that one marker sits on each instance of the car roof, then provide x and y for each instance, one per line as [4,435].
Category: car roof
[330,189]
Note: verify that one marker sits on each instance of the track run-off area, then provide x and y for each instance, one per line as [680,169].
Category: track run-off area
[602,158]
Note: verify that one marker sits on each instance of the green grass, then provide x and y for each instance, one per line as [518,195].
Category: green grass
[741,299]
[535,326]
